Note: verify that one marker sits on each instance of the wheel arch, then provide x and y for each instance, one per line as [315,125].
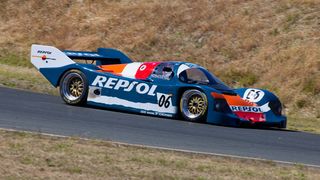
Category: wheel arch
[64,72]
[181,90]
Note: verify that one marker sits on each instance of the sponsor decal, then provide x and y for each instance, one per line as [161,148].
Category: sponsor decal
[124,85]
[156,113]
[82,54]
[44,52]
[44,57]
[253,95]
[252,109]
[246,109]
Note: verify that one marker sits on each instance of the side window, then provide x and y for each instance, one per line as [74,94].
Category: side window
[163,71]
[193,75]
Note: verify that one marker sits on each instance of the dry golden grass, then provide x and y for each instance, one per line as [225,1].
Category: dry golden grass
[24,78]
[34,156]
[304,124]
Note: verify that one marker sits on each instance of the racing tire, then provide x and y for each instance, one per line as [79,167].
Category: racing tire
[193,105]
[74,87]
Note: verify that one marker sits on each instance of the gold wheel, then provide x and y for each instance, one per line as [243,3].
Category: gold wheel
[196,104]
[193,105]
[76,87]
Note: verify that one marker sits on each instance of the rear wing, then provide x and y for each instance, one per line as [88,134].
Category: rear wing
[51,57]
[52,62]
[102,56]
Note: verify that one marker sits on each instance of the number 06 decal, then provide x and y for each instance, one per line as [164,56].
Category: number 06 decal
[164,100]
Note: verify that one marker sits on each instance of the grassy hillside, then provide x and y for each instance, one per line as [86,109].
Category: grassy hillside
[272,44]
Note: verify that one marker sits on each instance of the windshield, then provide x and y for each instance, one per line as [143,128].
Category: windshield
[201,76]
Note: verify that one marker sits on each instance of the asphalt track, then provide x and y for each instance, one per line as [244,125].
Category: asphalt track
[35,112]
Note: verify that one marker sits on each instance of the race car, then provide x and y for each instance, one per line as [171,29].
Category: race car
[108,78]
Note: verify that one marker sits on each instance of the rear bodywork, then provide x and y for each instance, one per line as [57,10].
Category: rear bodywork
[115,82]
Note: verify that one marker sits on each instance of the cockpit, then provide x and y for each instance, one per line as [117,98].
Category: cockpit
[164,71]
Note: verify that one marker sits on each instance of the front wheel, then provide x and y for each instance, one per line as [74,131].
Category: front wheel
[193,105]
[74,87]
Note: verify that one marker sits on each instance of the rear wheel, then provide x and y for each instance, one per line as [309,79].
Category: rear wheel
[74,87]
[193,105]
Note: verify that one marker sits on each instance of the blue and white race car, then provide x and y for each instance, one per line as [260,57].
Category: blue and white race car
[169,89]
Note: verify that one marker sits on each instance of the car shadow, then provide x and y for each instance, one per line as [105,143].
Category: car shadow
[181,119]
[258,127]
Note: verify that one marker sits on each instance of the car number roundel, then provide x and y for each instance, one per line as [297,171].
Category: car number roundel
[253,95]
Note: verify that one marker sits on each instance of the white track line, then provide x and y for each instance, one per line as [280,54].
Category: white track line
[168,149]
